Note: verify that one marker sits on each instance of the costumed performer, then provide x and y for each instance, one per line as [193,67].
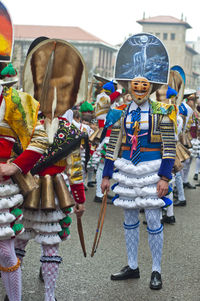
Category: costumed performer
[143,171]
[105,100]
[186,111]
[55,73]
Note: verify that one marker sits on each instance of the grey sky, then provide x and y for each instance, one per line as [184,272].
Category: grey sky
[109,20]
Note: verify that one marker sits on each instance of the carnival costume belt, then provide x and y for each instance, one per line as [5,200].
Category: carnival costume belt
[142,149]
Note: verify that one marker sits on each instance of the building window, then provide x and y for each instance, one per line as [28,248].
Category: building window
[164,36]
[172,36]
[158,34]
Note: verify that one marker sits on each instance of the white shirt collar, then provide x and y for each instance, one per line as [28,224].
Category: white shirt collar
[143,107]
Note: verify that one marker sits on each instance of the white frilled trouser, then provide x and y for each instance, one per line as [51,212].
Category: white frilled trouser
[155,236]
[137,188]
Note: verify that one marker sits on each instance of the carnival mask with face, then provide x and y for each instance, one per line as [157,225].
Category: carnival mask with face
[140,89]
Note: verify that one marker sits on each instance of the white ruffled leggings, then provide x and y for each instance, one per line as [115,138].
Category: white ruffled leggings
[155,236]
[11,280]
[50,263]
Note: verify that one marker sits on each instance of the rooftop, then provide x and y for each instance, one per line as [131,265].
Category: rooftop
[68,33]
[163,20]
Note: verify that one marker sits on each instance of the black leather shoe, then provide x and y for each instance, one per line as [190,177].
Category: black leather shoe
[156,281]
[126,273]
[90,184]
[179,203]
[188,185]
[6,298]
[195,177]
[40,275]
[97,199]
[168,219]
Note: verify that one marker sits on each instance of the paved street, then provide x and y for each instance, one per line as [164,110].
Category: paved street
[88,279]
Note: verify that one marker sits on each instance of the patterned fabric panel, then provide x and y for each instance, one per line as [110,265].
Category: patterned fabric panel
[168,138]
[115,141]
[154,127]
[39,140]
[74,168]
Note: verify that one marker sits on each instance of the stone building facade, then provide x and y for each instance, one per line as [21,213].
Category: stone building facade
[98,55]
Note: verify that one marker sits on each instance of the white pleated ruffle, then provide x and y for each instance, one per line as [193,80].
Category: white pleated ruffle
[195,150]
[40,216]
[133,192]
[135,181]
[8,189]
[139,203]
[143,168]
[47,227]
[50,239]
[28,234]
[137,185]
[6,232]
[11,201]
[9,198]
[6,217]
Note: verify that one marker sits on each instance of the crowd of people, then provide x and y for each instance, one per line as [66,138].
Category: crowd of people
[56,141]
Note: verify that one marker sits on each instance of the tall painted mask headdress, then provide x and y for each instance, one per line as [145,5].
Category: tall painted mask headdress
[142,65]
[55,74]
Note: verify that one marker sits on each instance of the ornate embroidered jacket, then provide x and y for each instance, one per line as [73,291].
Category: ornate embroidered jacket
[155,133]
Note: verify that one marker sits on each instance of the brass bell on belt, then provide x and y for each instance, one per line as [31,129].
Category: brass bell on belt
[182,152]
[26,182]
[47,193]
[177,165]
[64,197]
[32,200]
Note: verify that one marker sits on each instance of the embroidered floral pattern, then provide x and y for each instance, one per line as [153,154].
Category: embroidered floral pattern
[66,134]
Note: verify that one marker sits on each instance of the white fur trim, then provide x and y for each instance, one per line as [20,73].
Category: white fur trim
[10,202]
[136,191]
[8,189]
[139,203]
[49,239]
[47,227]
[39,216]
[135,181]
[51,128]
[143,168]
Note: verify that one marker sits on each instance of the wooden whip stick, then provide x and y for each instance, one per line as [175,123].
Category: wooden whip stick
[81,235]
[100,224]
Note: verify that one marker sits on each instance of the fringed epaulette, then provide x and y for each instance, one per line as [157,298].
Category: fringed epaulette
[113,116]
[169,110]
[21,114]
